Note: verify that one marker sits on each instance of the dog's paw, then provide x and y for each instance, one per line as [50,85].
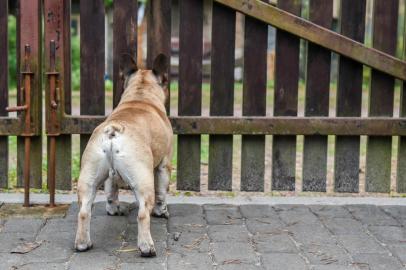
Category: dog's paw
[113,209]
[160,211]
[81,247]
[147,250]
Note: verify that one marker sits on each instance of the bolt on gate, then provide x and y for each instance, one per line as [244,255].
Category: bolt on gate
[285,124]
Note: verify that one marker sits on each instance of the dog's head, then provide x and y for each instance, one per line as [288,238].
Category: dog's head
[157,75]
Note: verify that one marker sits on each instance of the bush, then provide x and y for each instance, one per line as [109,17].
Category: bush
[12,54]
[75,47]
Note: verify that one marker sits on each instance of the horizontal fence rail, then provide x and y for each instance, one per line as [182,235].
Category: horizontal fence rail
[321,36]
[251,125]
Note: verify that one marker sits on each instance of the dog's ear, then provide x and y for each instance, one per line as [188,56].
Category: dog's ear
[160,68]
[128,65]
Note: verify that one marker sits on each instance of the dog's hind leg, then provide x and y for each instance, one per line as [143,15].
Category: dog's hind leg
[140,177]
[162,175]
[93,172]
[111,190]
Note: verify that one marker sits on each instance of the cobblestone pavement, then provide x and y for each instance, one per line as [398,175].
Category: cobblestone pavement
[219,237]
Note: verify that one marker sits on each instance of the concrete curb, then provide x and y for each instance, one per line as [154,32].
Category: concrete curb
[238,200]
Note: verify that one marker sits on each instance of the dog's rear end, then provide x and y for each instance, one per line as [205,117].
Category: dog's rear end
[134,144]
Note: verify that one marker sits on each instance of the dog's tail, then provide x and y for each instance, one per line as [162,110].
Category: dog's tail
[112,129]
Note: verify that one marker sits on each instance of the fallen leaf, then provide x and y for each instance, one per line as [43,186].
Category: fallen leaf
[127,250]
[26,247]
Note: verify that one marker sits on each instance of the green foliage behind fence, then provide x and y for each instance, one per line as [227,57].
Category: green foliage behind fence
[12,55]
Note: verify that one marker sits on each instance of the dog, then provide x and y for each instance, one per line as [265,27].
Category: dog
[135,144]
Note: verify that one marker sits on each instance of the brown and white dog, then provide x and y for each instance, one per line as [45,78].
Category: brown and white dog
[134,144]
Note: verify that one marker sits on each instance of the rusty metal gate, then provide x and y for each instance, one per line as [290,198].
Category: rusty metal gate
[284,125]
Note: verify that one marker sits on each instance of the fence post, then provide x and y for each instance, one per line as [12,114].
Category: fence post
[30,30]
[349,94]
[286,94]
[190,90]
[379,148]
[57,28]
[254,103]
[222,95]
[124,40]
[401,169]
[159,35]
[91,61]
[3,90]
[317,100]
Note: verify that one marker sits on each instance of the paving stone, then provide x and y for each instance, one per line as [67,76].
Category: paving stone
[143,266]
[344,226]
[48,252]
[158,232]
[10,261]
[399,251]
[372,215]
[183,210]
[10,241]
[43,266]
[207,207]
[276,234]
[267,225]
[334,267]
[193,223]
[189,261]
[328,211]
[223,216]
[310,234]
[278,261]
[257,211]
[2,221]
[391,234]
[131,254]
[238,266]
[326,255]
[268,243]
[297,215]
[395,211]
[58,239]
[26,225]
[362,243]
[93,260]
[189,242]
[376,262]
[72,213]
[108,231]
[228,233]
[59,225]
[231,252]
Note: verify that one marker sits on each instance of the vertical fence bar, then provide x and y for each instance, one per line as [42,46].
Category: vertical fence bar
[3,90]
[254,103]
[349,94]
[91,61]
[286,94]
[317,98]
[401,169]
[190,90]
[379,148]
[159,35]
[124,40]
[57,28]
[30,33]
[222,95]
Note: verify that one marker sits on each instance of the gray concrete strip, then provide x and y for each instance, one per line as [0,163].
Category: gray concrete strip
[238,200]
